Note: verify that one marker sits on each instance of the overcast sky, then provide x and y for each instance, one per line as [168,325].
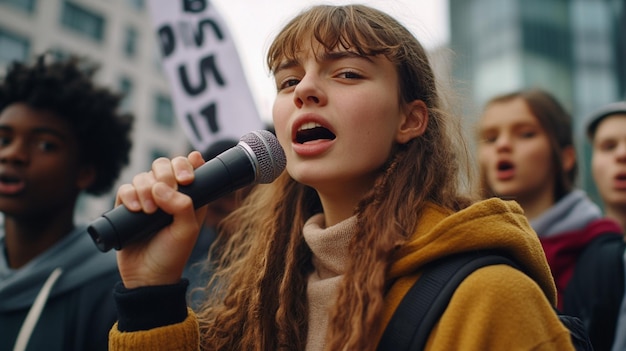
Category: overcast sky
[253,24]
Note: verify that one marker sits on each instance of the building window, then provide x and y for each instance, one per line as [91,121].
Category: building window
[60,54]
[130,42]
[164,112]
[136,4]
[154,154]
[126,89]
[27,6]
[83,21]
[157,60]
[13,47]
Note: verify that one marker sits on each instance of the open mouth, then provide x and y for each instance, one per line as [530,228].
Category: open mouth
[505,166]
[313,131]
[9,179]
[11,185]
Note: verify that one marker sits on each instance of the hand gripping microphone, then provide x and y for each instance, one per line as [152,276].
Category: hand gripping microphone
[257,158]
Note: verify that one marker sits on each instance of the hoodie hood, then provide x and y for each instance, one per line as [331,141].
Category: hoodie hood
[492,224]
[77,256]
[572,212]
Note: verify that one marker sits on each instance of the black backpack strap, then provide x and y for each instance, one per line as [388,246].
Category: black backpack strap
[422,306]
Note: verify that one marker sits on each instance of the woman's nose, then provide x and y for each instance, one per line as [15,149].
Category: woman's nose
[309,92]
[503,142]
[620,152]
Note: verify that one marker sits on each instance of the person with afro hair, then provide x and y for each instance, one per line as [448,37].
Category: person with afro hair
[60,135]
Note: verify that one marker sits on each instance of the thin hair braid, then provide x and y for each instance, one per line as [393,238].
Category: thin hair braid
[291,316]
[361,299]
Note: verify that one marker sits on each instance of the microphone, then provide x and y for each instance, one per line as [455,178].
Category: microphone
[257,158]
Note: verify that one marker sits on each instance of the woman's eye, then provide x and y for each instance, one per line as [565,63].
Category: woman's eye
[528,134]
[607,146]
[350,75]
[47,146]
[288,83]
[4,140]
[488,139]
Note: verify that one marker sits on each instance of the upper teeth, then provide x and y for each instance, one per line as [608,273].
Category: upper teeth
[309,125]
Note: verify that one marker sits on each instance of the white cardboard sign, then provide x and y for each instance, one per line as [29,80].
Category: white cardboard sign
[210,94]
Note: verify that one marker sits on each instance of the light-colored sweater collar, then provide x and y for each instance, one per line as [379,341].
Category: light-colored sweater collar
[330,247]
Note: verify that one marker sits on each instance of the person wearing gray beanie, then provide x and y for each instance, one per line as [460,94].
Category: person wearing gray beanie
[606,130]
[599,279]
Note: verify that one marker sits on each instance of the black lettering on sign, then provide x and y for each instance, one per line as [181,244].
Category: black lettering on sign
[167,40]
[194,5]
[187,32]
[199,36]
[194,127]
[207,67]
[209,113]
[193,38]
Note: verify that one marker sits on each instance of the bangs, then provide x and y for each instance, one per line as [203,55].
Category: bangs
[342,28]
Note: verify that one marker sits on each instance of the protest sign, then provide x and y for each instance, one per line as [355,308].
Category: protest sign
[210,94]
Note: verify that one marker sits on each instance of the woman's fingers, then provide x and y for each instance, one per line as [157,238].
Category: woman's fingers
[195,158]
[179,205]
[138,195]
[161,259]
[127,196]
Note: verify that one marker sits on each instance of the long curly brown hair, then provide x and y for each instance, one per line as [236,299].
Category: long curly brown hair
[258,295]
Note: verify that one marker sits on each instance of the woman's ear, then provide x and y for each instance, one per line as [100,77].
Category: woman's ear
[568,157]
[413,123]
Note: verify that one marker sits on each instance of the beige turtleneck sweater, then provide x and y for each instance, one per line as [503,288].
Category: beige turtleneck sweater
[330,259]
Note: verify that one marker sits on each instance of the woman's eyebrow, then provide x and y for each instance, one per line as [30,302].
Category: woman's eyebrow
[327,56]
[338,55]
[286,65]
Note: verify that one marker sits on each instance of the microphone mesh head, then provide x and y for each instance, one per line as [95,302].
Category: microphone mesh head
[268,154]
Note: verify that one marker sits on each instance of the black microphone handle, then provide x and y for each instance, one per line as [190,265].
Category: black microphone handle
[217,177]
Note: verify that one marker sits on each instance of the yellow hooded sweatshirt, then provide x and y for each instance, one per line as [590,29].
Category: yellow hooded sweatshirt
[495,308]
